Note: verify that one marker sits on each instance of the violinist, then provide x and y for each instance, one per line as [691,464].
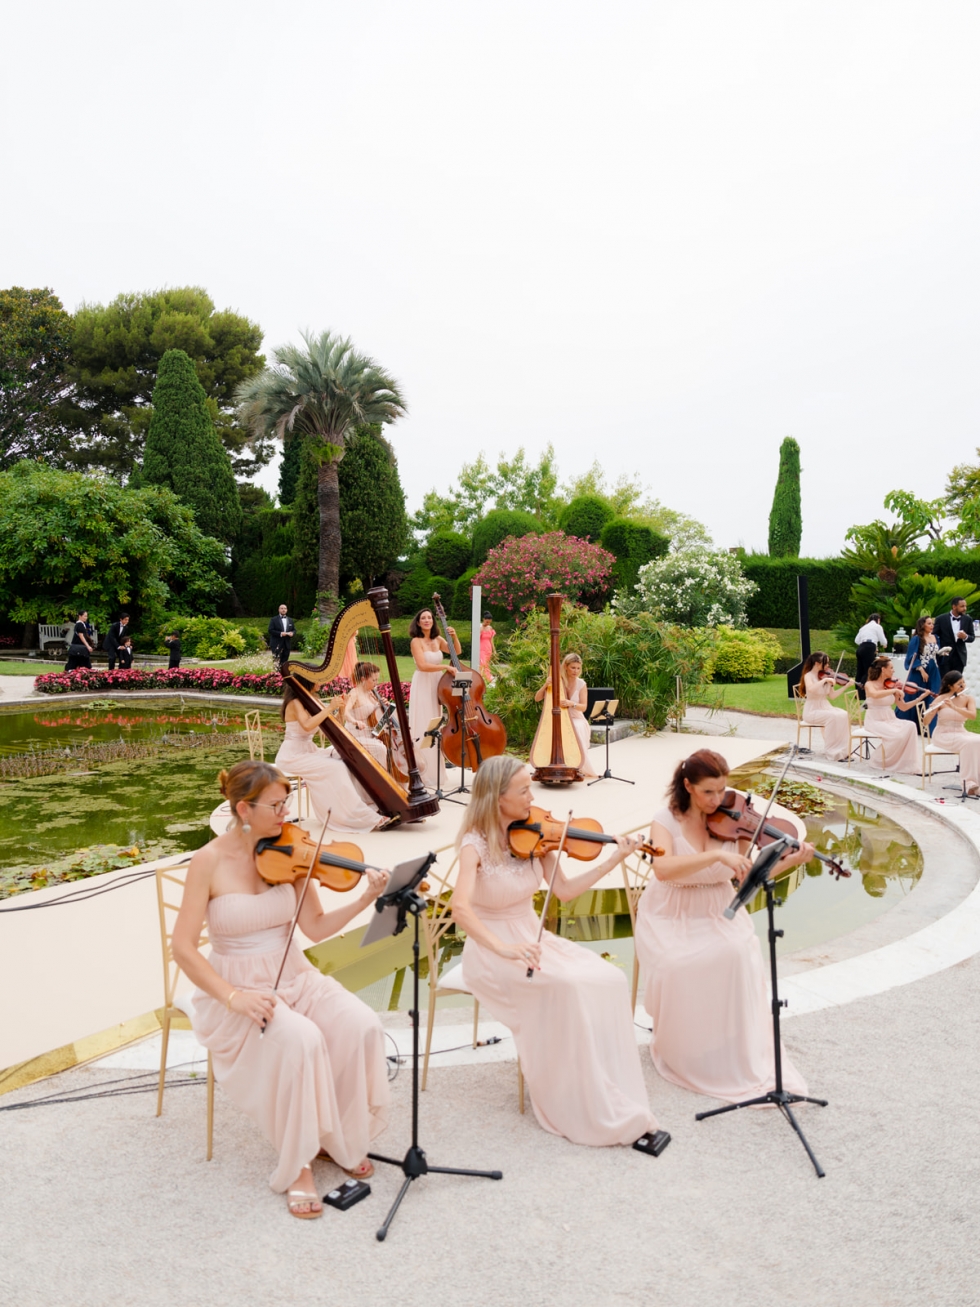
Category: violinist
[953,708]
[361,710]
[818,685]
[705,982]
[423,706]
[574,697]
[316,1082]
[900,747]
[571,1019]
[331,786]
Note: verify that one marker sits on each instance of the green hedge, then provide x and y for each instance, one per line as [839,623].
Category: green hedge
[263,582]
[775,601]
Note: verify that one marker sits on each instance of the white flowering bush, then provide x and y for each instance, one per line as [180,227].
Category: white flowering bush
[695,587]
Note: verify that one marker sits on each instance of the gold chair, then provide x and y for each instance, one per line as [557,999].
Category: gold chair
[930,750]
[168,877]
[253,729]
[637,871]
[799,702]
[435,924]
[858,736]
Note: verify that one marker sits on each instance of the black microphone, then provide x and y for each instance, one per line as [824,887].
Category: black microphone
[758,875]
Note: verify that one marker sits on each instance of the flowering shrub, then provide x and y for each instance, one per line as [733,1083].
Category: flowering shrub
[84,680]
[520,572]
[694,587]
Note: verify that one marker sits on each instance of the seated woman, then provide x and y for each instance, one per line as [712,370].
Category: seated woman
[574,697]
[571,1020]
[705,982]
[317,1080]
[901,749]
[950,711]
[361,709]
[332,788]
[922,666]
[817,691]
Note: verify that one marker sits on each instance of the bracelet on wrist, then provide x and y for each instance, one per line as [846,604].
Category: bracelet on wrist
[229,998]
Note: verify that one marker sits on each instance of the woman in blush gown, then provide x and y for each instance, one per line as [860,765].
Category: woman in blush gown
[817,692]
[332,788]
[571,1019]
[574,697]
[901,748]
[423,705]
[360,707]
[705,981]
[951,710]
[316,1081]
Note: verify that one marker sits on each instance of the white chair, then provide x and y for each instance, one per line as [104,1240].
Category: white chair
[930,750]
[799,702]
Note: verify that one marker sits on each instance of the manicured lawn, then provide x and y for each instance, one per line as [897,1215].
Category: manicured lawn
[33,667]
[789,638]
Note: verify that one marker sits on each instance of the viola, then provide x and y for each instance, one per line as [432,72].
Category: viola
[541,834]
[736,819]
[477,733]
[287,858]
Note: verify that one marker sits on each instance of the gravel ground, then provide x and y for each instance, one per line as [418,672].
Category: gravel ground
[104,1204]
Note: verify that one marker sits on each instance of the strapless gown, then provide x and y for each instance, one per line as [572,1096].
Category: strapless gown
[901,746]
[819,711]
[705,986]
[951,734]
[423,706]
[318,1077]
[332,788]
[571,1022]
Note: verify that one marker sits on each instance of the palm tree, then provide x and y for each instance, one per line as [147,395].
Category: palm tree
[322,393]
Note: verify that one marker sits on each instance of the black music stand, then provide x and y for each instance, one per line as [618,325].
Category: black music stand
[395,905]
[758,878]
[600,710]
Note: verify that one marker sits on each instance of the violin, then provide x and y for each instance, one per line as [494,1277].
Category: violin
[736,819]
[838,678]
[541,834]
[286,859]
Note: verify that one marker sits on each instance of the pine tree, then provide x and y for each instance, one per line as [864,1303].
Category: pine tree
[786,517]
[183,451]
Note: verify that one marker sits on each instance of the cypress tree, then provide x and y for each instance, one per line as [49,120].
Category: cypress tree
[786,517]
[184,453]
[292,454]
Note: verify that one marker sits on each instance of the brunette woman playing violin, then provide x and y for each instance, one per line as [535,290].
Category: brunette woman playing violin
[705,982]
[571,1020]
[900,746]
[818,686]
[317,1078]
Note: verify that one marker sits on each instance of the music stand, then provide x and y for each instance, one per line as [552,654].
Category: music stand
[600,710]
[393,907]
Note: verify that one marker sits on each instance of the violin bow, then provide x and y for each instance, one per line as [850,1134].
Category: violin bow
[837,668]
[551,885]
[299,907]
[772,799]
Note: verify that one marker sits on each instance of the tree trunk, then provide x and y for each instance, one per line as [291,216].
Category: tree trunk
[328,572]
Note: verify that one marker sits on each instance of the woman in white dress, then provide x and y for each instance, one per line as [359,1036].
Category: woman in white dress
[901,749]
[574,697]
[427,649]
[360,709]
[817,692]
[331,786]
[952,709]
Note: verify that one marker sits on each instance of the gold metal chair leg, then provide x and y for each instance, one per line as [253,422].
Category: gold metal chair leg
[163,1061]
[636,980]
[429,1024]
[520,1087]
[210,1107]
[476,1020]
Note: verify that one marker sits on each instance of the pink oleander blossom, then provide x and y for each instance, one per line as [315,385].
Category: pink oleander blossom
[520,572]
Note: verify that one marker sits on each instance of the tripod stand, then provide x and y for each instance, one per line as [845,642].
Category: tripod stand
[777,1097]
[462,685]
[602,715]
[414,1163]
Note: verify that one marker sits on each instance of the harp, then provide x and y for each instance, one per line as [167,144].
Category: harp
[556,755]
[392,799]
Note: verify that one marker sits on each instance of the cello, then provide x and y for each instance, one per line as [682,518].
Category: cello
[391,798]
[471,727]
[556,754]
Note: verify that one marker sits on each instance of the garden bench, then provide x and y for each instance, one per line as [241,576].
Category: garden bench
[58,635]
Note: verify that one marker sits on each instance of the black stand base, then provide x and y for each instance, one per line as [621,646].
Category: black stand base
[414,1162]
[607,774]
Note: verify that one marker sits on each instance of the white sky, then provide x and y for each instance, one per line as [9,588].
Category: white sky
[661,234]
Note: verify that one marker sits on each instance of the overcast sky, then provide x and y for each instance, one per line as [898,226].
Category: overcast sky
[663,235]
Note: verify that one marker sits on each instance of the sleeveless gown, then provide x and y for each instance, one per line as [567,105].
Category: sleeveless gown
[571,1022]
[332,788]
[318,1077]
[581,726]
[705,985]
[423,705]
[358,710]
[951,734]
[901,747]
[819,711]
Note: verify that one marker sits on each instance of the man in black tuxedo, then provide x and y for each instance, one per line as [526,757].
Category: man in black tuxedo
[115,637]
[281,632]
[954,629]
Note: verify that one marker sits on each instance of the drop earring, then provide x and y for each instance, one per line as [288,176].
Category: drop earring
[246,827]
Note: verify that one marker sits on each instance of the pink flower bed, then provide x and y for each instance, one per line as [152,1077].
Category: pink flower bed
[83,680]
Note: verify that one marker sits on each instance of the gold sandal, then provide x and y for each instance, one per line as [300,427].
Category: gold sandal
[360,1172]
[300,1197]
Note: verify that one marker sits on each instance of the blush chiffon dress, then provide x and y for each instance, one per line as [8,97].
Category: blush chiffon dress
[901,747]
[332,788]
[819,711]
[580,725]
[571,1021]
[423,706]
[952,735]
[706,988]
[318,1077]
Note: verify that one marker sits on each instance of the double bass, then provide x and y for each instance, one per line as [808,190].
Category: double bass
[556,754]
[471,726]
[392,799]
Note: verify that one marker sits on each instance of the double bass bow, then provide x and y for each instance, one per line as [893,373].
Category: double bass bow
[472,730]
[556,754]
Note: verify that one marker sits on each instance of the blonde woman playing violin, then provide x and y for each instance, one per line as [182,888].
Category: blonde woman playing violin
[953,708]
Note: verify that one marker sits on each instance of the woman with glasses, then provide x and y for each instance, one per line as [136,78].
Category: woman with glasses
[305,1060]
[332,788]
